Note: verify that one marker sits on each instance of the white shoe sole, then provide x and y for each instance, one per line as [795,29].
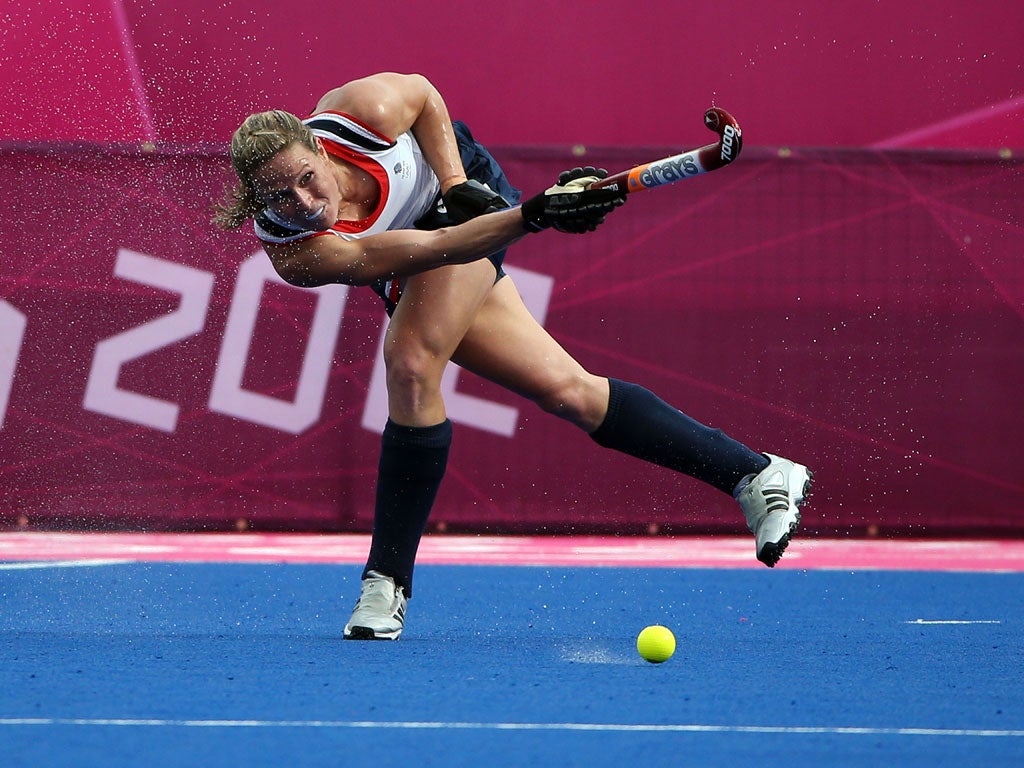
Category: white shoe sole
[368,633]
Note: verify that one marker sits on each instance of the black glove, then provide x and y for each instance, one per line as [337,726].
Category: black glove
[570,205]
[470,199]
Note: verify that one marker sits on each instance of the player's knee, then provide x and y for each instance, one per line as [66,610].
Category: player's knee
[411,370]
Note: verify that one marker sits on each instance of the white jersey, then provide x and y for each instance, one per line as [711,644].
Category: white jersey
[408,186]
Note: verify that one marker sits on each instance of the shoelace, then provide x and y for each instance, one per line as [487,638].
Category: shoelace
[377,592]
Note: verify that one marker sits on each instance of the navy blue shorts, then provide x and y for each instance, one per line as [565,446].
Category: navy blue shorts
[480,166]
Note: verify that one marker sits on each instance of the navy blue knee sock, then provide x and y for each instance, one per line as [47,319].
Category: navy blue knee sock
[643,425]
[412,465]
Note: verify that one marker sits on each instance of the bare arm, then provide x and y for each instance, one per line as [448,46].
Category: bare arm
[393,104]
[389,255]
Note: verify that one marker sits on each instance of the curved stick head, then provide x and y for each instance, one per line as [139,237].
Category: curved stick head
[717,118]
[730,136]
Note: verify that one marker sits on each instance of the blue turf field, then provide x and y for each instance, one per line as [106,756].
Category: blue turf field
[170,664]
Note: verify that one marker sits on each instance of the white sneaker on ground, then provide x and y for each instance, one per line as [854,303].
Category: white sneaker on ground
[380,610]
[771,502]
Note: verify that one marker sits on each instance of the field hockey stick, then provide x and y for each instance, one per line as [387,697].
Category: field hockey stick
[686,165]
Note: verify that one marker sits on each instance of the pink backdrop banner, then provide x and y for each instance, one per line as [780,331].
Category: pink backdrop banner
[914,73]
[861,311]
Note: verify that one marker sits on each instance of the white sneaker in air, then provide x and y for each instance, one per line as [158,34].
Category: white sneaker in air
[380,611]
[771,502]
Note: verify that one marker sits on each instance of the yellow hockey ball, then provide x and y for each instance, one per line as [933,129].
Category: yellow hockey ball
[656,643]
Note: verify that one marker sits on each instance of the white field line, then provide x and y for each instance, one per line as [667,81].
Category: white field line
[459,725]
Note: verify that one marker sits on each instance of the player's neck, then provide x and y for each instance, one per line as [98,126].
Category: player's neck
[360,192]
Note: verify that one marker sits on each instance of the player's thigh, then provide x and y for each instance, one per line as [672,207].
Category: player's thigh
[505,344]
[437,308]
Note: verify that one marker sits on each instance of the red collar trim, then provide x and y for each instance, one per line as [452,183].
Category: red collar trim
[372,167]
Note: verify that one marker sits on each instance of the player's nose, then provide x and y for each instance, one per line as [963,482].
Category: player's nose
[306,200]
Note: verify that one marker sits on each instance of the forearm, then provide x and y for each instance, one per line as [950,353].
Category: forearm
[394,255]
[401,254]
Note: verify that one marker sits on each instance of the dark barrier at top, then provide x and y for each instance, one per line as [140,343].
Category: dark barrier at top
[861,312]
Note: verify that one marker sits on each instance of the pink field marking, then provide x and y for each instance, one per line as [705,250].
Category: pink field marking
[583,551]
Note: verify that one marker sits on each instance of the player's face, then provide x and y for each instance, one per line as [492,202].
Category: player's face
[298,185]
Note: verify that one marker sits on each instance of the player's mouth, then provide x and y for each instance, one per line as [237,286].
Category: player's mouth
[316,218]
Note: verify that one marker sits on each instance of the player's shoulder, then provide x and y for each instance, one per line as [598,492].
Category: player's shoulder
[386,102]
[365,93]
[348,131]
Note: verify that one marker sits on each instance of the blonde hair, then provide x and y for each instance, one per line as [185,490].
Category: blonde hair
[259,138]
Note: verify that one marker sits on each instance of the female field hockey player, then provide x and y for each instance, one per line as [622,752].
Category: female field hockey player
[379,187]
